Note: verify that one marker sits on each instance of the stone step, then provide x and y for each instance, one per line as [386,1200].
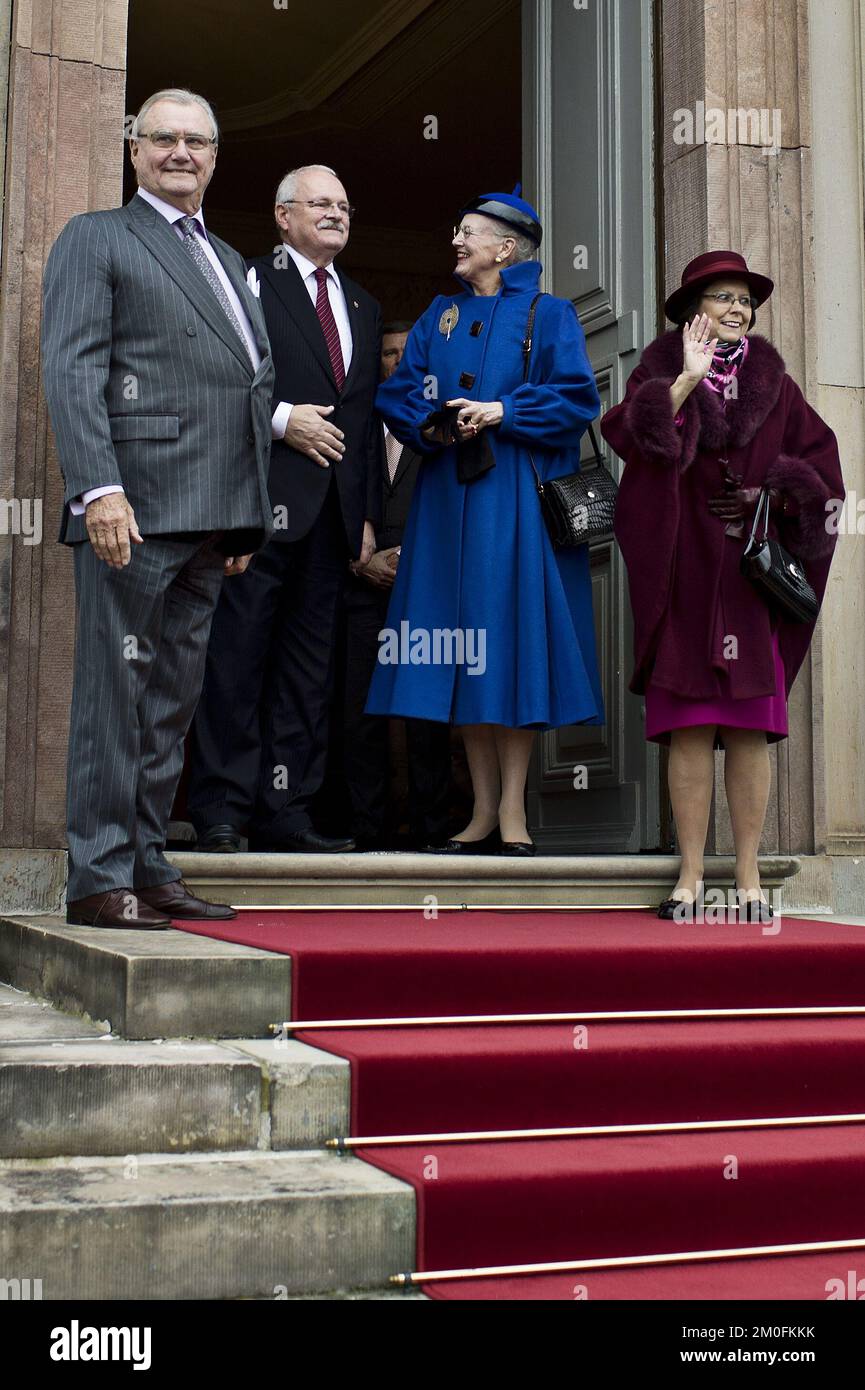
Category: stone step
[306,1092]
[412,1292]
[26,1019]
[147,984]
[397,879]
[116,1097]
[240,1225]
[32,881]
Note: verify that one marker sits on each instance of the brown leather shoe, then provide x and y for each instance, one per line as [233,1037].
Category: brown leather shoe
[176,899]
[122,907]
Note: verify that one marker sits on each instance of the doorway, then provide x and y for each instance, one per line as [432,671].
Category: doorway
[420,105]
[396,97]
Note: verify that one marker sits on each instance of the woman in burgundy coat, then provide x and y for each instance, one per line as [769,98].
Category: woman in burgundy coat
[710,417]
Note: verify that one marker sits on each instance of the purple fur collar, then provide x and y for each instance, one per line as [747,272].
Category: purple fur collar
[758,384]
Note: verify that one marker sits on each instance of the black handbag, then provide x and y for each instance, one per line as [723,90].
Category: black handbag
[777,574]
[578,508]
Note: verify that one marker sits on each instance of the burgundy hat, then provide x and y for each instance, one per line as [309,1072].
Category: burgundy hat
[712,265]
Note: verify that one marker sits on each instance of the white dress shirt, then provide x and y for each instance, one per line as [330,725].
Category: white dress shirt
[307,268]
[392,451]
[172,215]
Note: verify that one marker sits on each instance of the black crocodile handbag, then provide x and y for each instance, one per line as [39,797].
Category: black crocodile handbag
[775,572]
[578,508]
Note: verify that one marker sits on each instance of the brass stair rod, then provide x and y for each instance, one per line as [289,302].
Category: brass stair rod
[590,1131]
[441,907]
[744,1252]
[602,1016]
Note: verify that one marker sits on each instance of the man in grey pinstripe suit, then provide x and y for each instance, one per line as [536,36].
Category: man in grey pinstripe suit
[158,378]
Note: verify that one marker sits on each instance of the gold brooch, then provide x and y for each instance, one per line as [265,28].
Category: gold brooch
[449,319]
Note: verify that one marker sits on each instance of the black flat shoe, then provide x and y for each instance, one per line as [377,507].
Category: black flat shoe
[490,844]
[667,910]
[755,910]
[519,848]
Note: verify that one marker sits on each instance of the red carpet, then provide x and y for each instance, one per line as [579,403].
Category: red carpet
[558,1199]
[361,965]
[423,1080]
[804,1277]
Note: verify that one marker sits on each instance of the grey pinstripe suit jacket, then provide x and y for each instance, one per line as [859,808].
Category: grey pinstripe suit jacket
[147,383]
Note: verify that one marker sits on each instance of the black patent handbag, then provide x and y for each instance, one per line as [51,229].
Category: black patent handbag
[580,507]
[777,574]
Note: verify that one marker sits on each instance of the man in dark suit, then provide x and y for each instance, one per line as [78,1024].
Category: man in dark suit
[366,754]
[260,732]
[159,380]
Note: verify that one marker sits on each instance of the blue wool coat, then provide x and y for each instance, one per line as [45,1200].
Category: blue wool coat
[476,557]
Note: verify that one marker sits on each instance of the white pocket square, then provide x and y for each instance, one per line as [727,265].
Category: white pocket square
[252,282]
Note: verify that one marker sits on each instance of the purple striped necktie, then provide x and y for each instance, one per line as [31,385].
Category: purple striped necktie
[192,242]
[329,328]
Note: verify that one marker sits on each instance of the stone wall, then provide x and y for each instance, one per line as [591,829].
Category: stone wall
[66,88]
[838,98]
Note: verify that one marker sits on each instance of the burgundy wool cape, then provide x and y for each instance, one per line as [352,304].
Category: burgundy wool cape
[687,593]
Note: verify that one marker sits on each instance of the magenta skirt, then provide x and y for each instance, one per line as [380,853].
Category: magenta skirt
[666,711]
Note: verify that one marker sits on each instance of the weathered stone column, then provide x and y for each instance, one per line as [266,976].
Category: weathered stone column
[838,99]
[64,155]
[738,71]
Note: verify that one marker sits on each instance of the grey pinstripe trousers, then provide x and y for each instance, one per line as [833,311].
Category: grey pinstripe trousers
[140,649]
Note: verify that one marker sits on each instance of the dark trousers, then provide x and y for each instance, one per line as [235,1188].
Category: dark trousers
[139,662]
[366,754]
[260,732]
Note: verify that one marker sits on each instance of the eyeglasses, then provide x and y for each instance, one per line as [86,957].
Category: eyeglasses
[724,297]
[323,205]
[168,139]
[467,232]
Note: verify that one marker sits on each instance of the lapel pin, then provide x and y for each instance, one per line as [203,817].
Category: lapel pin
[355,303]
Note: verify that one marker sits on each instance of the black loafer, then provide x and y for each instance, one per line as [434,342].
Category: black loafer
[519,848]
[219,839]
[303,842]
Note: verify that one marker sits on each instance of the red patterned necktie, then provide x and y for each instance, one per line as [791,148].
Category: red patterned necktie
[329,328]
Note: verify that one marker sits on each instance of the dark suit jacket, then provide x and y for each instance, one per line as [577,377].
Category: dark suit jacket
[304,376]
[396,498]
[147,383]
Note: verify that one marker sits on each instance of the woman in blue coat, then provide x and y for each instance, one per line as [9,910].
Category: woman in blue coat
[489,627]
